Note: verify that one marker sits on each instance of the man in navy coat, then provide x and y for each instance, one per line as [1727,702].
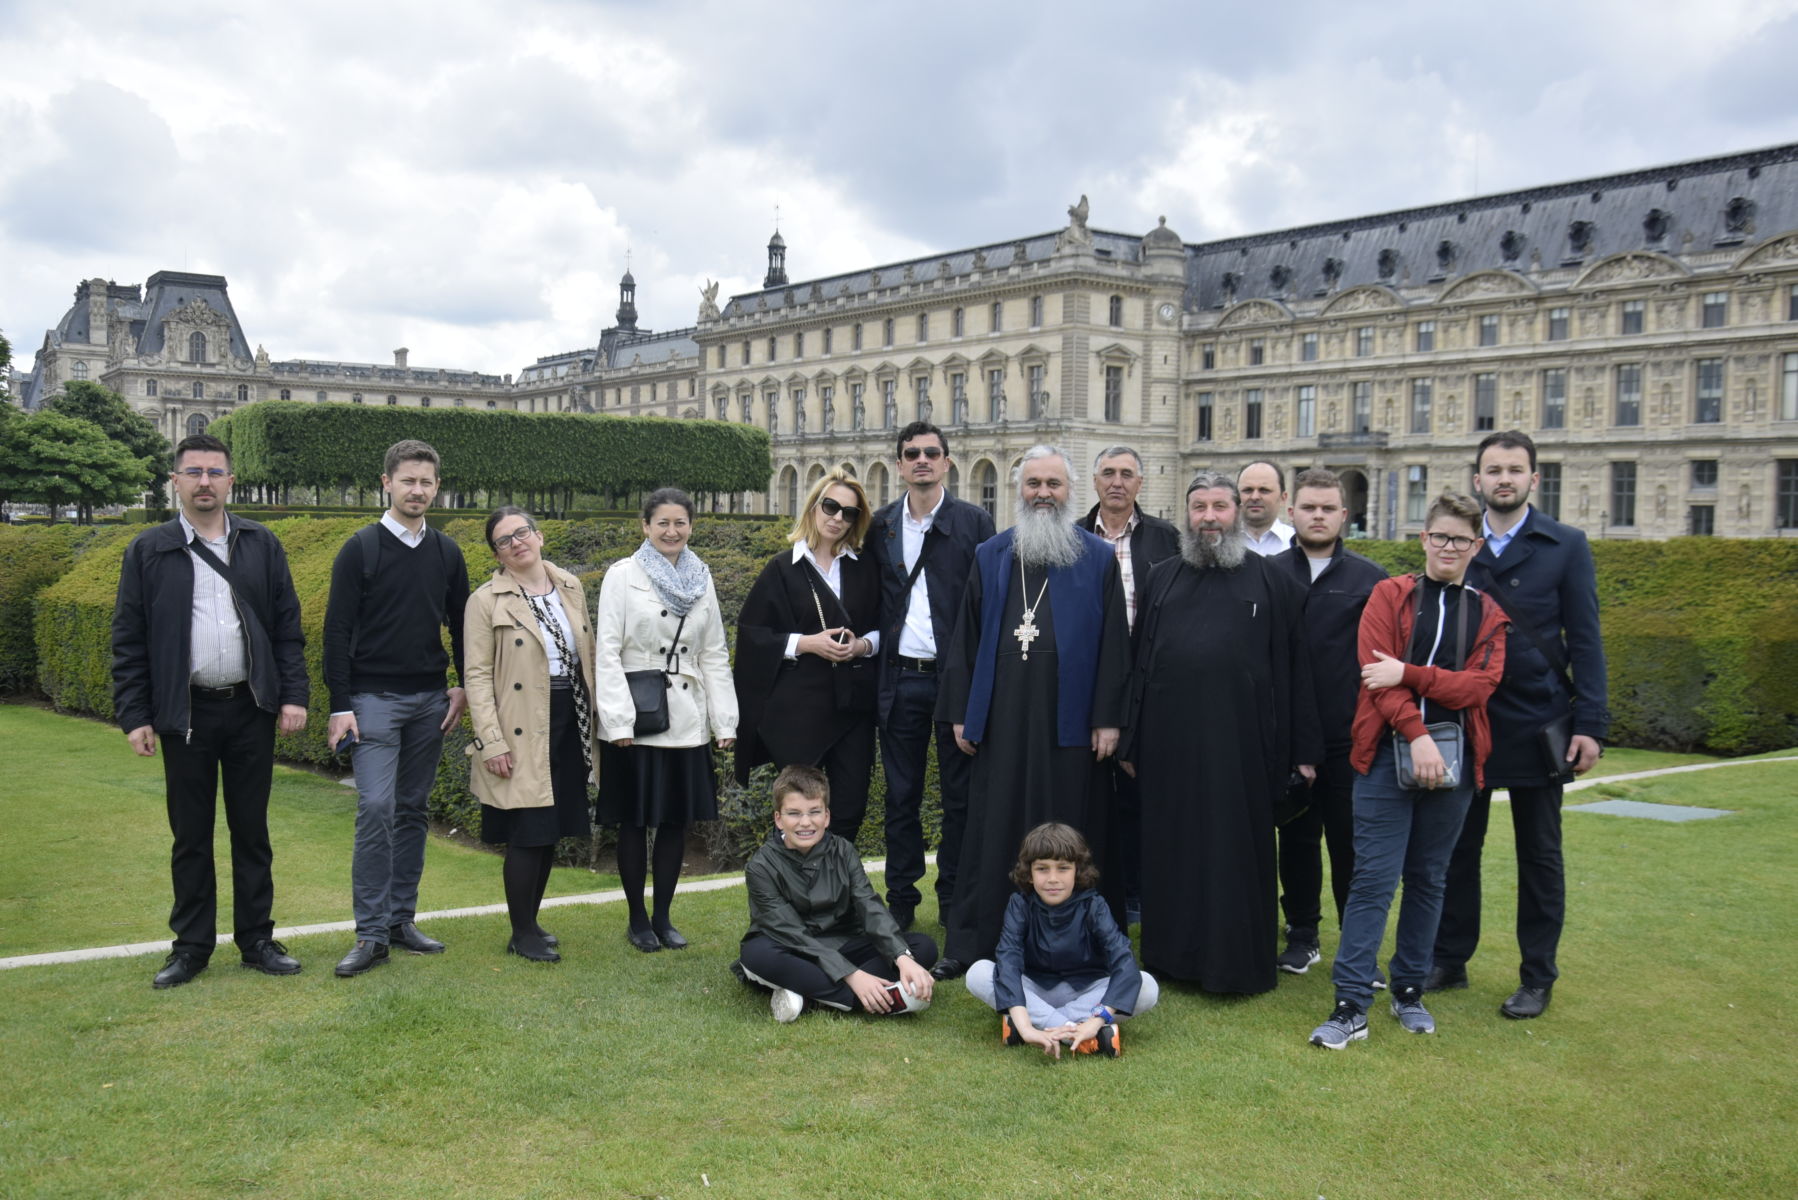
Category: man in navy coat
[1541,572]
[923,544]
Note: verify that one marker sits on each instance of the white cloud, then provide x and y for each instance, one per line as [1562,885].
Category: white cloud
[467,179]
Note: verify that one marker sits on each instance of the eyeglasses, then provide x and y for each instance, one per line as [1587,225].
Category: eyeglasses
[203,472]
[505,540]
[1442,541]
[848,512]
[911,453]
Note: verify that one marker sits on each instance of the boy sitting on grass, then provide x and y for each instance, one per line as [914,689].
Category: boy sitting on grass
[1065,973]
[817,932]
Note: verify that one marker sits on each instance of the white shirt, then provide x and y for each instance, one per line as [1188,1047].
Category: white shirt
[833,579]
[216,655]
[917,637]
[551,604]
[1496,542]
[1318,566]
[406,536]
[1277,538]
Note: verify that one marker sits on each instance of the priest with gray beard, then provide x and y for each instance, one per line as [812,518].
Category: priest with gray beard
[1034,682]
[1222,714]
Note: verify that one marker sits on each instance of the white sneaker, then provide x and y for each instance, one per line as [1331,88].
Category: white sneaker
[786,1005]
[904,1000]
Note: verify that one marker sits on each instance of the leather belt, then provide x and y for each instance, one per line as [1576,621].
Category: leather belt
[560,682]
[229,692]
[923,666]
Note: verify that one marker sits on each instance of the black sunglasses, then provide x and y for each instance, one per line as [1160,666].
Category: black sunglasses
[911,453]
[848,512]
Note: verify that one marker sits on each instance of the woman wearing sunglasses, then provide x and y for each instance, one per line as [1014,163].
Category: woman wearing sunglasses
[806,641]
[528,670]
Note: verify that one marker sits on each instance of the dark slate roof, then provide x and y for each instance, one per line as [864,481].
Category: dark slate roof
[76,326]
[373,373]
[1117,247]
[1713,205]
[166,291]
[620,346]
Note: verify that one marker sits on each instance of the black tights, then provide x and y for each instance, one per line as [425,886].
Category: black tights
[633,862]
[526,875]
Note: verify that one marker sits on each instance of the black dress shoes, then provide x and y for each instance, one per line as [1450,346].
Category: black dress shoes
[177,970]
[644,940]
[364,956]
[532,947]
[409,937]
[271,958]
[948,968]
[1525,1002]
[1442,979]
[670,938]
[549,939]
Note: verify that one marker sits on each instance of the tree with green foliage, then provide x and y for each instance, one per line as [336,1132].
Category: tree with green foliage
[55,459]
[5,371]
[107,409]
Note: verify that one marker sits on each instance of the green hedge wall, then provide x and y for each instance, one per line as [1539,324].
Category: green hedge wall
[340,445]
[1701,634]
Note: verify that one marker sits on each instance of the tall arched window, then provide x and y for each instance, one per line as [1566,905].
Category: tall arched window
[953,483]
[424,402]
[196,347]
[80,370]
[149,387]
[196,425]
[1116,316]
[792,490]
[287,393]
[243,393]
[198,390]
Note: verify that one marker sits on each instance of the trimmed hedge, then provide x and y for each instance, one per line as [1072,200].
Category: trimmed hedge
[339,445]
[1701,635]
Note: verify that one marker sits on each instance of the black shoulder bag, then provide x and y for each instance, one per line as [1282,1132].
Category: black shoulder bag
[649,690]
[853,683]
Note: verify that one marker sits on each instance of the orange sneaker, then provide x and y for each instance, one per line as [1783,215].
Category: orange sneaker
[1007,1035]
[1108,1041]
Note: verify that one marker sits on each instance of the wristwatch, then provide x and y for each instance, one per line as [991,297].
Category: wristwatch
[1104,1014]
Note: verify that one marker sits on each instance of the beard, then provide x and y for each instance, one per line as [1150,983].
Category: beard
[1203,553]
[1510,504]
[1046,536]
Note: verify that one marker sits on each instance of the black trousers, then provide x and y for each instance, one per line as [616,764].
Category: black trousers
[1331,819]
[232,740]
[904,754]
[848,764]
[1126,833]
[1541,884]
[781,967]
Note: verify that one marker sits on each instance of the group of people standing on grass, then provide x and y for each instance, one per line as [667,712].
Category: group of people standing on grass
[1135,723]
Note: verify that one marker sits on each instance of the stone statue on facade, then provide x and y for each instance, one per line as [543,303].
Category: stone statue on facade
[1076,234]
[708,301]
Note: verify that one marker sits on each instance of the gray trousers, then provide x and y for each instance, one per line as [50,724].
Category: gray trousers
[1058,1003]
[395,760]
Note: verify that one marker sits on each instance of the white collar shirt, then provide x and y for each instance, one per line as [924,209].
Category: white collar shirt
[1277,538]
[917,637]
[406,536]
[833,579]
[216,656]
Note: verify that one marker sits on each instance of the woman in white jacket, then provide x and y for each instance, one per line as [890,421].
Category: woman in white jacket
[659,611]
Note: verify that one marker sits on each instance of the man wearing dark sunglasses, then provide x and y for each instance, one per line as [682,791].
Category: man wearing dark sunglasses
[924,544]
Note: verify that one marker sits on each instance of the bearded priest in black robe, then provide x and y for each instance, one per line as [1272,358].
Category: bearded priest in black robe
[1035,683]
[1222,716]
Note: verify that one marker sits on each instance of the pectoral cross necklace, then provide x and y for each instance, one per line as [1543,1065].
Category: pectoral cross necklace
[1027,632]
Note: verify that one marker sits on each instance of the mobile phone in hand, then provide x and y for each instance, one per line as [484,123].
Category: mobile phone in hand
[346,741]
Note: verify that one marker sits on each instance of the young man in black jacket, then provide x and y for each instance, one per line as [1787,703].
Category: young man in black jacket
[207,651]
[923,544]
[394,586]
[1337,582]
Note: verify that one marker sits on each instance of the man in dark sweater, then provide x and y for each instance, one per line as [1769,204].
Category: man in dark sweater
[1337,582]
[394,586]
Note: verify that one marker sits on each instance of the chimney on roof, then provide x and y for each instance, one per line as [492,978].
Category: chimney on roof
[399,357]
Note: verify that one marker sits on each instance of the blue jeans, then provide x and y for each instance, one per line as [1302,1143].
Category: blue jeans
[1403,833]
[400,739]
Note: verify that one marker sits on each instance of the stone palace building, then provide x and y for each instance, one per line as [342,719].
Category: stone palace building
[1642,327]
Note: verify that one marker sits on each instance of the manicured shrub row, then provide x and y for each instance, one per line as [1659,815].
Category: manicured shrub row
[340,445]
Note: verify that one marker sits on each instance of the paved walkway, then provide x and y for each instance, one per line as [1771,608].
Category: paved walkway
[136,949]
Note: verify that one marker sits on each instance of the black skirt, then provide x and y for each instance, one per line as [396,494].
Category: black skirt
[567,817]
[656,785]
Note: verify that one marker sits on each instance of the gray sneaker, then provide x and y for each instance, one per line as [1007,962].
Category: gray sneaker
[1407,1006]
[1347,1024]
[786,1005]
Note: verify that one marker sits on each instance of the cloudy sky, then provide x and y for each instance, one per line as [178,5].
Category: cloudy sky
[466,179]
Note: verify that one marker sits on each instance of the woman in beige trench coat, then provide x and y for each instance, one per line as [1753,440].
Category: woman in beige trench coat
[528,650]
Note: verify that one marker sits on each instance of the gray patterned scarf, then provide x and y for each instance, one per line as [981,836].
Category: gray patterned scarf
[679,586]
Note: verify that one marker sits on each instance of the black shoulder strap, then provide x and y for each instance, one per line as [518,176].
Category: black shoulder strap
[224,571]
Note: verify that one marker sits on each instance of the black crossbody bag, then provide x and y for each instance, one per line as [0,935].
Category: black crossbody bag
[649,690]
[1555,737]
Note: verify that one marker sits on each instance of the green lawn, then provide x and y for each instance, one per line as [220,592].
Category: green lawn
[86,858]
[1663,1068]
